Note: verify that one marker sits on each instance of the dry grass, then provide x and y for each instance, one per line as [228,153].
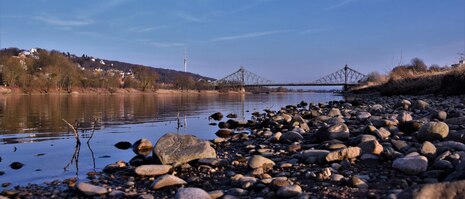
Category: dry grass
[406,82]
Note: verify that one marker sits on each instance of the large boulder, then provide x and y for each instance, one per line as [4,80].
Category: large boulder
[454,189]
[176,148]
[432,131]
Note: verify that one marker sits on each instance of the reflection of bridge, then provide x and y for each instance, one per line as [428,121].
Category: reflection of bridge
[242,78]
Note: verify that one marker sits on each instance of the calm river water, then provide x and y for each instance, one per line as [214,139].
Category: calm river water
[32,131]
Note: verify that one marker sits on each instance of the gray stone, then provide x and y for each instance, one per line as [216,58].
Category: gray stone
[152,170]
[456,120]
[142,147]
[216,194]
[224,132]
[428,149]
[302,123]
[358,183]
[334,112]
[441,115]
[432,131]
[400,145]
[244,182]
[371,147]
[382,133]
[452,145]
[336,131]
[454,189]
[404,116]
[90,190]
[348,153]
[362,138]
[411,165]
[191,192]
[289,191]
[258,161]
[421,105]
[314,155]
[442,165]
[363,115]
[291,136]
[405,104]
[176,148]
[337,177]
[166,181]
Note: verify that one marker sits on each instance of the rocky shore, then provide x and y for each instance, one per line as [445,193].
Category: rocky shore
[376,147]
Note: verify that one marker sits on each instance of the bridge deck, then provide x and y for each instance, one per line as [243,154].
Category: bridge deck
[297,84]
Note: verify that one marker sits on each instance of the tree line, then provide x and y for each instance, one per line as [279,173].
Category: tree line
[46,71]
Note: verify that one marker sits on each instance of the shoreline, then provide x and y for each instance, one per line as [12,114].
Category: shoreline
[5,91]
[341,149]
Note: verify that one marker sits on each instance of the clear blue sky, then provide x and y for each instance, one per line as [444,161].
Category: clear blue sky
[282,40]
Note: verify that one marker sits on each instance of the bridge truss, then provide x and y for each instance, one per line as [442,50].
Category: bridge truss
[243,78]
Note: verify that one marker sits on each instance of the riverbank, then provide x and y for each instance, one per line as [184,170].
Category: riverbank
[447,82]
[367,147]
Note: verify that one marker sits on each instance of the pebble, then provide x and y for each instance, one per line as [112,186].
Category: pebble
[152,170]
[289,191]
[191,192]
[90,190]
[257,161]
[167,180]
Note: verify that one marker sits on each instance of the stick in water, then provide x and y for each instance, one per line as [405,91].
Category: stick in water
[76,135]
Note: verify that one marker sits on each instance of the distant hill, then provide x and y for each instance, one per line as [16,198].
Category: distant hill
[89,62]
[166,75]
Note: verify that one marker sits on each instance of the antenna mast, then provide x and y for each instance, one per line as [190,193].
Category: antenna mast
[185,59]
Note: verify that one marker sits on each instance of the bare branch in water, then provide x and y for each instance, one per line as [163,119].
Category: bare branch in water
[76,135]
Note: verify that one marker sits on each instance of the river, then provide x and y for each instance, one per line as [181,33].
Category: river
[32,130]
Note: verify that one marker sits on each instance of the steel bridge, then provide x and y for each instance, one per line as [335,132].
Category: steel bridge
[346,77]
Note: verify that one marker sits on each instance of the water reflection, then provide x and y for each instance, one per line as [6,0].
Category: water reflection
[41,115]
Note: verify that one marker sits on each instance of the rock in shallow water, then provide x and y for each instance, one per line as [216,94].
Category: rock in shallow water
[176,148]
[16,165]
[123,145]
[142,147]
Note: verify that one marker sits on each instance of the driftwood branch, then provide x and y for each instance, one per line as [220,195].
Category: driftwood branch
[76,135]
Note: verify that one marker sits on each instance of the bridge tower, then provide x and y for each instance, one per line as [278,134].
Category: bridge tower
[242,76]
[346,75]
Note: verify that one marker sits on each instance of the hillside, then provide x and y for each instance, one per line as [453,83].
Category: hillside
[165,75]
[39,70]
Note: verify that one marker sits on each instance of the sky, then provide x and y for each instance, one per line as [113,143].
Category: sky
[280,40]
